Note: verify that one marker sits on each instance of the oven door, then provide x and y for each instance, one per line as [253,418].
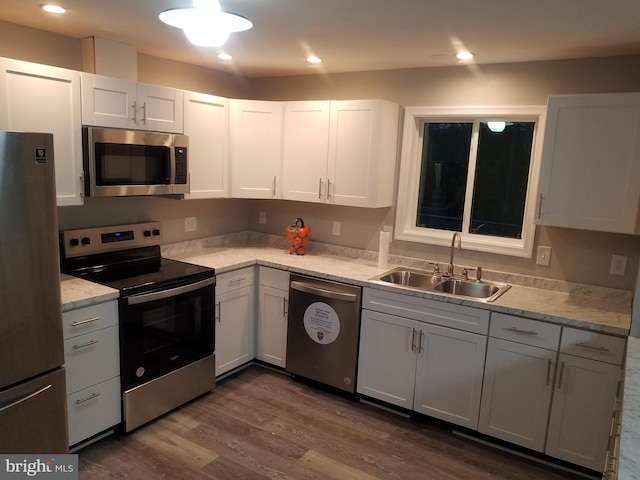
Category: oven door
[164,330]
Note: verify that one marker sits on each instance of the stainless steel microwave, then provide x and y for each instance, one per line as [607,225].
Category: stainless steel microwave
[128,162]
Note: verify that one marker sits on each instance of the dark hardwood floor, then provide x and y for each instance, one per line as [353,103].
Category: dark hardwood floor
[260,425]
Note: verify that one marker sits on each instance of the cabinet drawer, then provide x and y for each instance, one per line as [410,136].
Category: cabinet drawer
[525,330]
[469,319]
[91,358]
[89,319]
[92,410]
[227,282]
[596,346]
[272,277]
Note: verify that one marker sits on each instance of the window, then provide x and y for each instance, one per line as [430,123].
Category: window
[473,171]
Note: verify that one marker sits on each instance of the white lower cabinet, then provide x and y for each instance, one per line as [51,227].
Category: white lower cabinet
[551,389]
[273,301]
[432,369]
[92,367]
[235,338]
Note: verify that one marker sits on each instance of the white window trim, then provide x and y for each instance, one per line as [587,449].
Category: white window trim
[410,163]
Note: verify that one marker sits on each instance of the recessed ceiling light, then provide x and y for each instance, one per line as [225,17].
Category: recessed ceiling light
[464,55]
[224,56]
[314,59]
[53,9]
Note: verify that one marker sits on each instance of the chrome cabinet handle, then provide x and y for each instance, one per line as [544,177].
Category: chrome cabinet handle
[284,306]
[328,189]
[600,348]
[85,345]
[274,185]
[518,330]
[540,206]
[82,322]
[421,336]
[135,112]
[144,113]
[413,339]
[237,280]
[320,184]
[561,375]
[86,399]
[218,316]
[25,398]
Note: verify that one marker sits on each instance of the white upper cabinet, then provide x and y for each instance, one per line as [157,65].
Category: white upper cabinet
[206,122]
[256,148]
[306,151]
[341,152]
[118,103]
[40,98]
[590,174]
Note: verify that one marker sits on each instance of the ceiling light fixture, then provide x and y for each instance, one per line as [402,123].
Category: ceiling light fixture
[53,8]
[314,59]
[464,55]
[205,24]
[497,126]
[224,56]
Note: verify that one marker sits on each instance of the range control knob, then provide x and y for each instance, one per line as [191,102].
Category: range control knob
[147,233]
[86,241]
[156,231]
[74,242]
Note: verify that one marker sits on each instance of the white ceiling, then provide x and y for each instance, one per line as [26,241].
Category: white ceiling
[357,35]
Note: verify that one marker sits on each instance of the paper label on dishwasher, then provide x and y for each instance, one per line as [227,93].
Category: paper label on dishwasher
[321,323]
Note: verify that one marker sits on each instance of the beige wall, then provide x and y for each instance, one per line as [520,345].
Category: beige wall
[577,256]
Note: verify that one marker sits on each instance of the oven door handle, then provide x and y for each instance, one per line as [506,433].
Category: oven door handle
[172,292]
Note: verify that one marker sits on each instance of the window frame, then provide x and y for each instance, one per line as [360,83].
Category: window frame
[410,164]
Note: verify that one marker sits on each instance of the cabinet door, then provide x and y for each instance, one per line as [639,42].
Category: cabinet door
[387,358]
[109,102]
[590,173]
[256,149]
[583,404]
[305,151]
[272,325]
[449,374]
[160,109]
[39,98]
[234,329]
[206,122]
[516,395]
[362,153]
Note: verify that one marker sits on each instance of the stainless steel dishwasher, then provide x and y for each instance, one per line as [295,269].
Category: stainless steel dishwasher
[323,331]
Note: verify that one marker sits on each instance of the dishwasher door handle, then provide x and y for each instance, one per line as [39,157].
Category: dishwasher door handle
[323,292]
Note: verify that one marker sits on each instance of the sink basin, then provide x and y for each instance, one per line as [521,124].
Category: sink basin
[438,283]
[483,290]
[409,277]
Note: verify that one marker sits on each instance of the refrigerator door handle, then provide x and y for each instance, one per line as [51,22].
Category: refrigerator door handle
[25,398]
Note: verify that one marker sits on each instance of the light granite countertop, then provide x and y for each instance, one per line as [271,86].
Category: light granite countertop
[592,308]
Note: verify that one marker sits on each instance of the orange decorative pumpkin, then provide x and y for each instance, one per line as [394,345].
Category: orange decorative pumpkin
[297,236]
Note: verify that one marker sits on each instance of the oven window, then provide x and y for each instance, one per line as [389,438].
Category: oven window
[163,335]
[121,164]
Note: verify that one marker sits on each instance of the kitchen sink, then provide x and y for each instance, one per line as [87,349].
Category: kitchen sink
[409,277]
[416,279]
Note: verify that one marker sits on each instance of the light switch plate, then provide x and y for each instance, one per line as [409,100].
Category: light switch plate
[544,256]
[189,224]
[336,228]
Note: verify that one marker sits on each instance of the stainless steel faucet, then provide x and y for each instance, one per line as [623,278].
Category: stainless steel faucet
[453,245]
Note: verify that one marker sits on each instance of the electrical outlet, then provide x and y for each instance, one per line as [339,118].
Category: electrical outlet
[544,256]
[336,228]
[618,265]
[262,218]
[189,224]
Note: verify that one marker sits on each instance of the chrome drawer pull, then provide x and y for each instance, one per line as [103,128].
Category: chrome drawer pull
[86,399]
[600,348]
[518,330]
[82,322]
[413,339]
[84,345]
[237,280]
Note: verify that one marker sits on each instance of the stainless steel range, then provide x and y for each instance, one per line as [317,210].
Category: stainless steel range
[166,314]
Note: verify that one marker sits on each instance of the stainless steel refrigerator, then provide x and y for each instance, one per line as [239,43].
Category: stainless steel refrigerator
[33,415]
